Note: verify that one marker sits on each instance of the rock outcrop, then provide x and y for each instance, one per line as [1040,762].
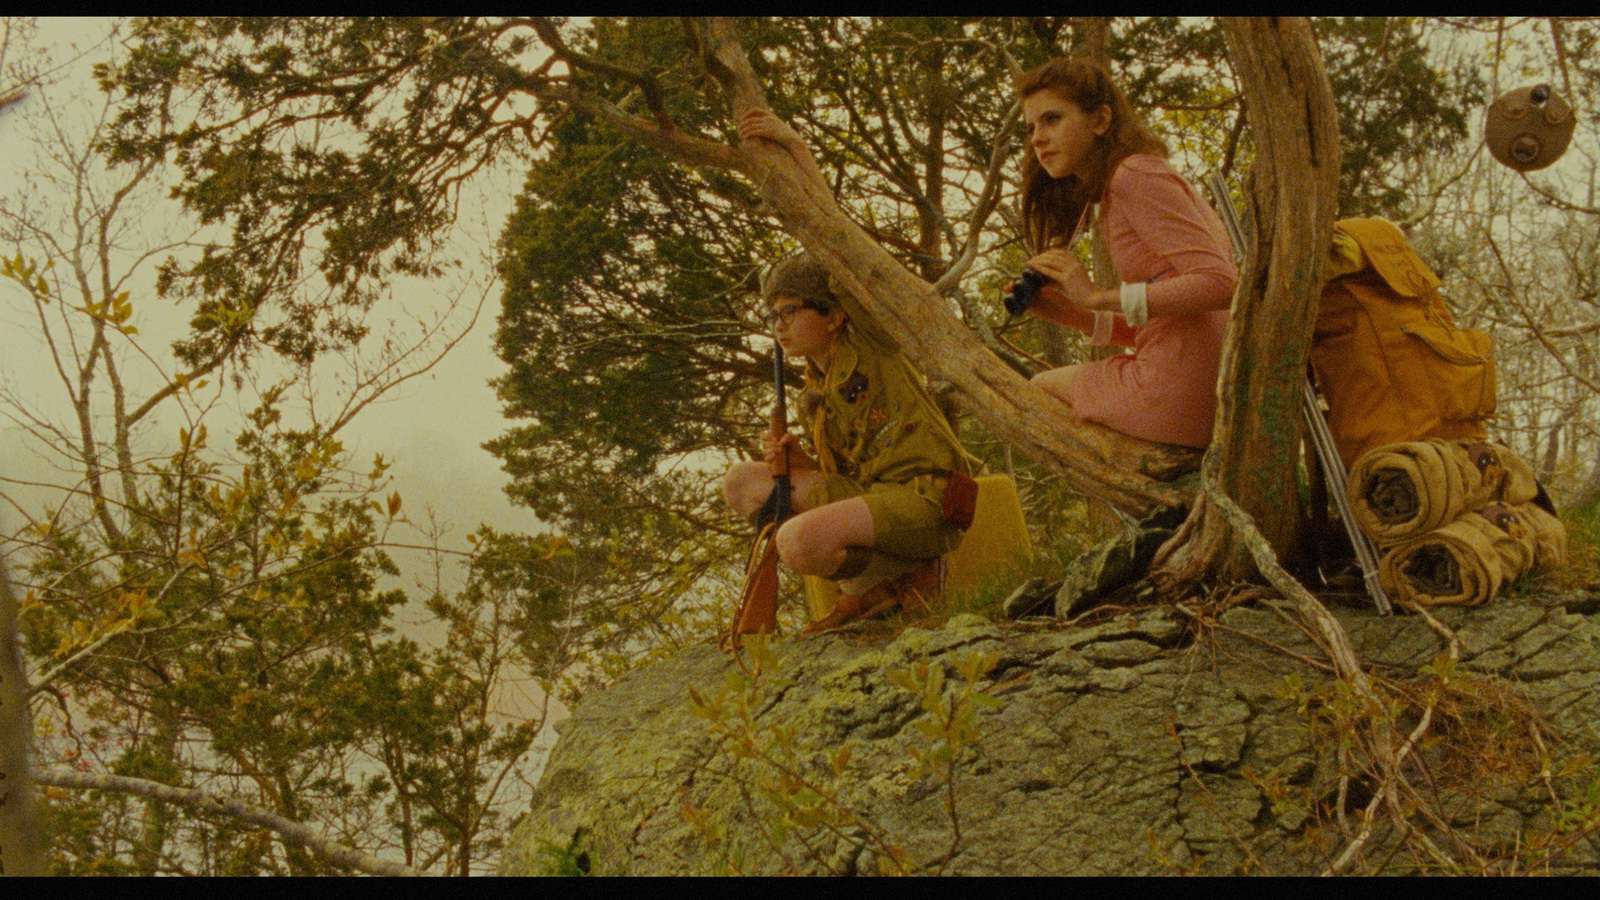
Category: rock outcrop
[1149,743]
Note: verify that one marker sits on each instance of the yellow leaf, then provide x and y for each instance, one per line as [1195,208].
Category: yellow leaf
[134,603]
[394,504]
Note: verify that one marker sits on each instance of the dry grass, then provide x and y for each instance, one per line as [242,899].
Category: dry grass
[1582,569]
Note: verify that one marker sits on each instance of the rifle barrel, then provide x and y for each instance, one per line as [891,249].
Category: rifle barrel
[780,415]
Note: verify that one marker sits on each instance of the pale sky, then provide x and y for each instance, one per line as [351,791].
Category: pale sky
[431,427]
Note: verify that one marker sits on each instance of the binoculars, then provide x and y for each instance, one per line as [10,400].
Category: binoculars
[1023,291]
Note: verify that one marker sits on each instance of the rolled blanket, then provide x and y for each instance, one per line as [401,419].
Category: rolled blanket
[1549,537]
[1466,562]
[1399,491]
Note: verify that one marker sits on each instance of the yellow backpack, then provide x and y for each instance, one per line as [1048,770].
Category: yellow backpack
[1390,361]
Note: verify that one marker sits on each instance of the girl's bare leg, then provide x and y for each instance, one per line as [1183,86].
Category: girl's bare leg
[1057,382]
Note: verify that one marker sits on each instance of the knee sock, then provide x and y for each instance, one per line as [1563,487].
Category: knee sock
[874,568]
[856,560]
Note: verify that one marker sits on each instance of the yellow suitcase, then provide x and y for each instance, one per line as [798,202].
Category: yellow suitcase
[996,546]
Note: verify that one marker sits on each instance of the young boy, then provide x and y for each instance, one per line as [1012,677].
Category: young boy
[870,501]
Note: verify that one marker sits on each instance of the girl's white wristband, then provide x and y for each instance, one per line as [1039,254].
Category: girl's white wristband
[1133,304]
[1102,329]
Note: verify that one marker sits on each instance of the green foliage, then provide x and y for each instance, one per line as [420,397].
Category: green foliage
[1472,741]
[1583,547]
[252,655]
[1395,104]
[798,796]
[950,723]
[799,793]
[571,861]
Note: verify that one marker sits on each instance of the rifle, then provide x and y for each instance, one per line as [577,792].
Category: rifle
[1317,427]
[758,598]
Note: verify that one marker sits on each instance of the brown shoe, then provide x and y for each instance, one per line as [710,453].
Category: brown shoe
[880,599]
[920,586]
[910,592]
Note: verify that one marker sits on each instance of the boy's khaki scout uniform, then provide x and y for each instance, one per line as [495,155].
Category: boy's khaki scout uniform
[879,436]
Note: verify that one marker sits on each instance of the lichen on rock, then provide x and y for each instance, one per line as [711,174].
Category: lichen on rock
[1140,744]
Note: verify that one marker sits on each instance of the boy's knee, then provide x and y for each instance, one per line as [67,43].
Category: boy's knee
[791,541]
[742,487]
[808,546]
[802,548]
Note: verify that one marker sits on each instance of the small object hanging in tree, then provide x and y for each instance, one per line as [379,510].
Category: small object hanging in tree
[1529,128]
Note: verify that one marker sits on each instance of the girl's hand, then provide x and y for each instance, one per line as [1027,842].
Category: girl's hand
[761,123]
[1063,268]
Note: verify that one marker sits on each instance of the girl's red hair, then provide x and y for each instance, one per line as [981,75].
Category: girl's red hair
[1052,207]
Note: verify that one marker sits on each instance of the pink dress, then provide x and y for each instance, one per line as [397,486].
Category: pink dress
[1161,231]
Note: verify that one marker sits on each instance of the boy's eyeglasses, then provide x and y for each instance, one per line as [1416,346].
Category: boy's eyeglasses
[784,314]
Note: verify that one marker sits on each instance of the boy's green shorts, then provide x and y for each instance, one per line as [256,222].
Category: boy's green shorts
[907,519]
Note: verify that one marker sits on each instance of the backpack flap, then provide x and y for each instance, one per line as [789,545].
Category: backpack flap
[1391,256]
[1390,362]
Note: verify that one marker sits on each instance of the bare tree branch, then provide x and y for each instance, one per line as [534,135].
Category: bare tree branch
[203,804]
[648,85]
[987,201]
[1533,327]
[1557,201]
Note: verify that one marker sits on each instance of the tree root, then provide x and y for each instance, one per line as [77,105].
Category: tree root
[1381,739]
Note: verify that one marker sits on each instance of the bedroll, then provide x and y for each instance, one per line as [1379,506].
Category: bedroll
[1388,358]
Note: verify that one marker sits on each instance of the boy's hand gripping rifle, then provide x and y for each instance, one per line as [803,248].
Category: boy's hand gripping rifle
[1317,426]
[758,599]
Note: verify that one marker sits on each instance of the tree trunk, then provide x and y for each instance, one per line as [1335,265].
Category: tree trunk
[1293,199]
[21,840]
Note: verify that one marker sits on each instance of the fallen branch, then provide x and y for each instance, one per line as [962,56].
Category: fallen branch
[206,805]
[1385,757]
